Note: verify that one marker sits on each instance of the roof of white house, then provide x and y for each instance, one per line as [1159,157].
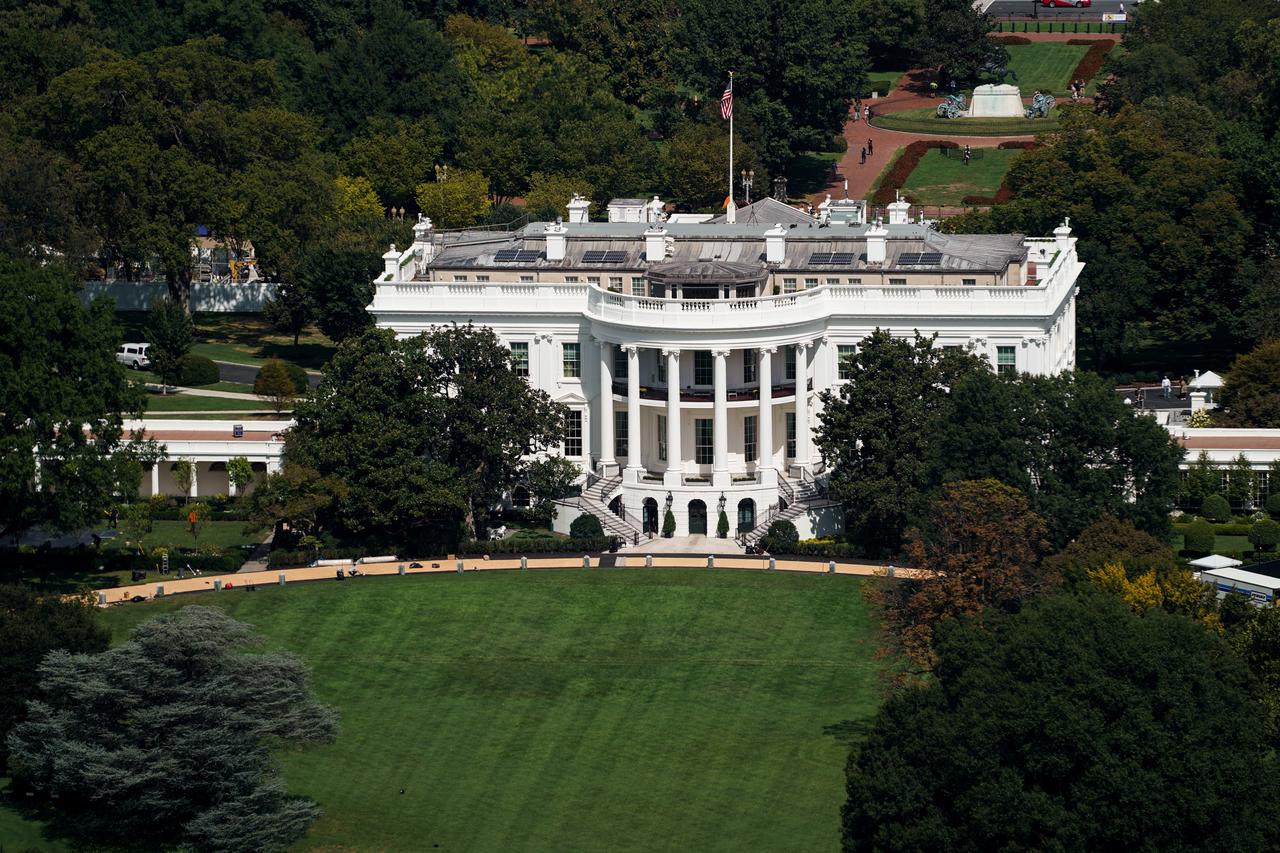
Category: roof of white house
[1216,561]
[1242,576]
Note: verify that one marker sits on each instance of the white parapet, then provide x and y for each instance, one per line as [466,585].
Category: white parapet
[996,100]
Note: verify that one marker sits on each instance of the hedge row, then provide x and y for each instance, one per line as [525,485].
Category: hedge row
[818,549]
[1018,144]
[903,167]
[538,546]
[1225,529]
[1091,63]
[1008,40]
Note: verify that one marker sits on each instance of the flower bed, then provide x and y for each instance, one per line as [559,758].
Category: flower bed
[1092,62]
[1007,40]
[902,168]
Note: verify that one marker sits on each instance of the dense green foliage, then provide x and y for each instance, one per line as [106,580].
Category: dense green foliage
[166,738]
[170,334]
[780,537]
[1251,391]
[498,700]
[1199,537]
[57,373]
[586,526]
[1073,725]
[195,370]
[1216,508]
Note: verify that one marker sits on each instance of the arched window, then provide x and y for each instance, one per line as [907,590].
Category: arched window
[746,514]
[520,497]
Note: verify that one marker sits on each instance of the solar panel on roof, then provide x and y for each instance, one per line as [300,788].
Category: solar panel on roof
[593,257]
[842,257]
[830,258]
[525,255]
[920,259]
[506,255]
[819,259]
[931,258]
[598,256]
[614,257]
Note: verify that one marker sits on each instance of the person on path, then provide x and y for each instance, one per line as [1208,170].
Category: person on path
[870,147]
[191,521]
[1182,388]
[114,517]
[857,108]
[1166,388]
[866,114]
[864,157]
[1141,395]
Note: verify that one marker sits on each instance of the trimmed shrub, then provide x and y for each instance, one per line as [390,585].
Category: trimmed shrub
[822,549]
[196,370]
[586,526]
[1265,535]
[668,525]
[722,526]
[1091,63]
[1018,145]
[1198,537]
[781,537]
[1216,508]
[548,545]
[904,166]
[1273,505]
[299,377]
[1008,40]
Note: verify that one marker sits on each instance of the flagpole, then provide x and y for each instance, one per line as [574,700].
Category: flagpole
[731,144]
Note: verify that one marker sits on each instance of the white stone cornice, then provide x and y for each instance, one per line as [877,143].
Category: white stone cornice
[667,353]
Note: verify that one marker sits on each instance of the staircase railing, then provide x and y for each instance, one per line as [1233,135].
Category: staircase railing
[788,492]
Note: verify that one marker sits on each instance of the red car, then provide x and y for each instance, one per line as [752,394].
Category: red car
[1078,4]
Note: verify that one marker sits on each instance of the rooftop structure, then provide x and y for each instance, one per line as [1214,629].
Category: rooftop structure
[691,354]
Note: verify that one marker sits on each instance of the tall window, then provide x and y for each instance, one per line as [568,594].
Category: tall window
[748,365]
[619,363]
[573,432]
[637,285]
[572,360]
[844,353]
[615,283]
[749,438]
[662,438]
[791,435]
[520,358]
[789,371]
[703,372]
[1007,361]
[704,452]
[810,283]
[788,285]
[620,436]
[662,368]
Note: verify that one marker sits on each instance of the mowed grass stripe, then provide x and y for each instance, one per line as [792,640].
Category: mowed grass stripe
[570,711]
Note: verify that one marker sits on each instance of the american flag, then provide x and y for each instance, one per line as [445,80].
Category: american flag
[726,101]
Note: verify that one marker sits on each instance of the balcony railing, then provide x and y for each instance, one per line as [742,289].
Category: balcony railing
[707,395]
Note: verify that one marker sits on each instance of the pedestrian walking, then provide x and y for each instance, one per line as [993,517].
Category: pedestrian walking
[864,157]
[1141,396]
[871,149]
[866,114]
[1166,388]
[114,517]
[857,108]
[1182,388]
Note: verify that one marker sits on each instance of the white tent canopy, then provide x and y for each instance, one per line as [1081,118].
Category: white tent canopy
[1216,561]
[1207,380]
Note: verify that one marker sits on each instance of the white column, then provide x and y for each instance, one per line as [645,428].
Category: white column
[634,467]
[764,423]
[273,466]
[195,479]
[802,404]
[720,426]
[155,479]
[674,475]
[231,485]
[607,460]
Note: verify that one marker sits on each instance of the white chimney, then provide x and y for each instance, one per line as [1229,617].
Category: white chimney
[391,264]
[578,209]
[1198,400]
[899,211]
[1062,235]
[556,241]
[655,210]
[655,243]
[877,243]
[775,244]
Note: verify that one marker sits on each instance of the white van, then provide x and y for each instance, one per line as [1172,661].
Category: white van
[133,355]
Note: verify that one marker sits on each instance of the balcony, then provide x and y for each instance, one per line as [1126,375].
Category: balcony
[707,395]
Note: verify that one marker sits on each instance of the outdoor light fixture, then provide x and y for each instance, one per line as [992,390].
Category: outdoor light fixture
[722,501]
[748,178]
[669,499]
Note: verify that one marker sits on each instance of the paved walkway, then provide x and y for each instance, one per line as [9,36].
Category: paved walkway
[184,391]
[634,560]
[697,544]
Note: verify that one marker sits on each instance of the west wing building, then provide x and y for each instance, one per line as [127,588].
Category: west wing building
[690,355]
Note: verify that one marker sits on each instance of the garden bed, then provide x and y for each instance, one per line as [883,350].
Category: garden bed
[925,120]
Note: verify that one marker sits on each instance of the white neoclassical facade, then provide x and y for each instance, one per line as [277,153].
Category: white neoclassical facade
[691,355]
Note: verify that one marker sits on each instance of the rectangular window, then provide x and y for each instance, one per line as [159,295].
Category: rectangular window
[520,358]
[810,283]
[833,281]
[791,435]
[525,278]
[789,371]
[749,438]
[593,279]
[748,365]
[788,285]
[637,285]
[620,436]
[844,352]
[968,282]
[573,433]
[1007,361]
[703,371]
[615,283]
[572,360]
[855,281]
[619,363]
[662,368]
[662,438]
[482,278]
[897,281]
[459,278]
[703,449]
[571,279]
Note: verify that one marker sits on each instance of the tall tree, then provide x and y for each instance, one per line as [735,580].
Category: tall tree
[1072,725]
[170,334]
[954,37]
[58,373]
[874,432]
[338,278]
[981,548]
[166,738]
[1251,390]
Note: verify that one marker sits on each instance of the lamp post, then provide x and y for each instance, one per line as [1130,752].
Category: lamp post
[748,178]
[722,501]
[669,499]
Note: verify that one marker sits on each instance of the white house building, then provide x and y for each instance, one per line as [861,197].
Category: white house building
[690,355]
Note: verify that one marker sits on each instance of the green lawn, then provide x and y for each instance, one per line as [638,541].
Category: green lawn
[238,387]
[628,710]
[1221,544]
[1045,66]
[242,339]
[220,534]
[808,173]
[925,120]
[194,403]
[883,82]
[946,180]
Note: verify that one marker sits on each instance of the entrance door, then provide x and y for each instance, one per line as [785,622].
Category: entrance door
[650,515]
[697,517]
[746,515]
